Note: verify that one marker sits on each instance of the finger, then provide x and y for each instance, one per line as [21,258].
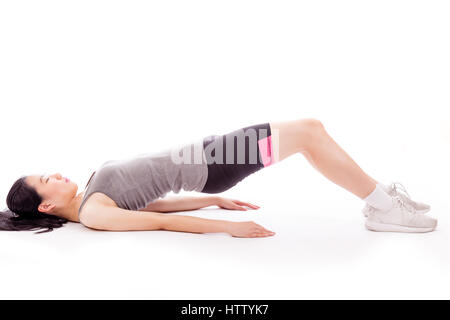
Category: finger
[264,234]
[235,207]
[247,204]
[267,231]
[261,230]
[253,206]
[242,203]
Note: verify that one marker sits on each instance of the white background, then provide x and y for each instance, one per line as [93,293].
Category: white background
[83,82]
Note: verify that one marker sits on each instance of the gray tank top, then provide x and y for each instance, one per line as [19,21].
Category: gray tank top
[134,183]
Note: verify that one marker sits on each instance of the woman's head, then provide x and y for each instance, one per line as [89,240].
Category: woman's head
[56,191]
[35,200]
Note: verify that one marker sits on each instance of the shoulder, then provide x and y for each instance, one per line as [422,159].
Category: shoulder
[94,207]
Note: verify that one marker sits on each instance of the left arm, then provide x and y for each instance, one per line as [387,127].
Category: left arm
[174,204]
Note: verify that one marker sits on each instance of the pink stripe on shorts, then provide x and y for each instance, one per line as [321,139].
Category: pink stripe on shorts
[266,150]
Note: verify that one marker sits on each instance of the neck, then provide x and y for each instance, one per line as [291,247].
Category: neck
[70,212]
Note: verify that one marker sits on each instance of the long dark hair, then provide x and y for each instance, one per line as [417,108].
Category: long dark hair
[22,212]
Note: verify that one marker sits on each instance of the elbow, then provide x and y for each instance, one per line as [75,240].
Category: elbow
[165,223]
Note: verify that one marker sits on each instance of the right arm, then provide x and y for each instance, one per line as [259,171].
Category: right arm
[103,217]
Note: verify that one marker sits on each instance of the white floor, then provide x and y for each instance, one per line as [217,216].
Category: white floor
[321,250]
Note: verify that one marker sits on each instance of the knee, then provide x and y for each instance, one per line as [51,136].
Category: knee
[312,126]
[310,130]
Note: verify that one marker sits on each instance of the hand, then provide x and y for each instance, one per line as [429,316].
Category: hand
[248,229]
[231,204]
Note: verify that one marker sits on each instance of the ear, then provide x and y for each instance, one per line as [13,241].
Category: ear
[46,208]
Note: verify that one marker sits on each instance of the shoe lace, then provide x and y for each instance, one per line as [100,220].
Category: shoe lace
[397,186]
[404,205]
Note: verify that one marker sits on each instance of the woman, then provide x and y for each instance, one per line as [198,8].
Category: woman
[124,195]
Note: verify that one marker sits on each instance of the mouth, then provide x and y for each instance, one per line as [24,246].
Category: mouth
[67,180]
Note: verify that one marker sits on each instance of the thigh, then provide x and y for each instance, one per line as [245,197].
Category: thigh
[293,136]
[233,156]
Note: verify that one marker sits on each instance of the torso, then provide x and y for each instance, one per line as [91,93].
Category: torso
[135,182]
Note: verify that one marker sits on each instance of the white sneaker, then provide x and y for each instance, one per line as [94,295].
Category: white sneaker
[401,218]
[393,190]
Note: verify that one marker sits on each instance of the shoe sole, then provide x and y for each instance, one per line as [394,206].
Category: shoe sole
[384,227]
[418,211]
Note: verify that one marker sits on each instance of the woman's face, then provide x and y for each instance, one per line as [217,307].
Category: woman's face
[55,190]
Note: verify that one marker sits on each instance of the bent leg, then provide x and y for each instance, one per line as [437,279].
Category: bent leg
[309,137]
